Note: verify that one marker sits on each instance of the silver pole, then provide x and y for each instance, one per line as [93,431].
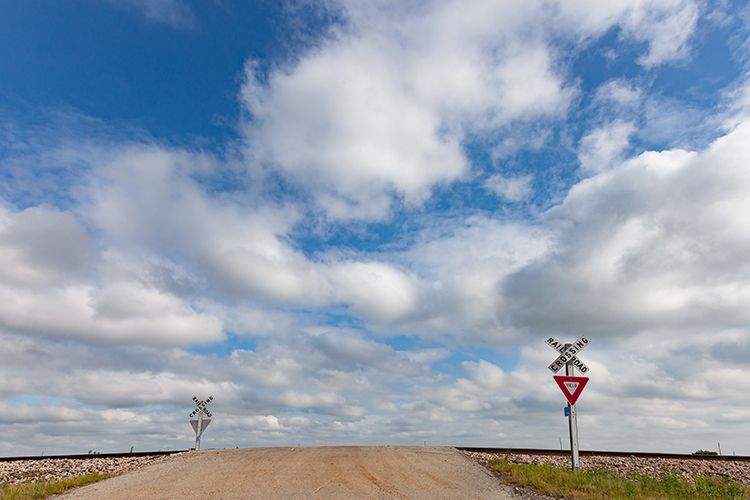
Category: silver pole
[199,431]
[573,425]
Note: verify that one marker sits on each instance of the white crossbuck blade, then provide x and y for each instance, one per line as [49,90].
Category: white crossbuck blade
[568,355]
[201,406]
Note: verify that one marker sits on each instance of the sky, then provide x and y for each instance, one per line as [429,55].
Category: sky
[358,221]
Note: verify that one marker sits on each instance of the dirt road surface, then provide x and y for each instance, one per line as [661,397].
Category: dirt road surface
[327,472]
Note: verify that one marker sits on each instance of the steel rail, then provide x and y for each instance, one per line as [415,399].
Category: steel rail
[497,451]
[592,453]
[93,455]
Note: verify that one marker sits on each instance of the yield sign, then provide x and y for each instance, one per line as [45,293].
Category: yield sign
[572,387]
[194,423]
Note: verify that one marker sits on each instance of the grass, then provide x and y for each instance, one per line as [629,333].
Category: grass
[43,489]
[598,484]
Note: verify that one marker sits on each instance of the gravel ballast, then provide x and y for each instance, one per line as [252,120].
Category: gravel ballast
[684,468]
[21,471]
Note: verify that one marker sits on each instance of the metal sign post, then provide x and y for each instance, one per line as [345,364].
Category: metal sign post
[573,426]
[570,361]
[199,425]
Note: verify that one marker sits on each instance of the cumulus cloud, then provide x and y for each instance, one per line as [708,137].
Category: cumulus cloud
[619,92]
[666,25]
[460,268]
[42,246]
[516,188]
[301,387]
[145,201]
[601,148]
[51,286]
[658,240]
[118,313]
[379,111]
[667,34]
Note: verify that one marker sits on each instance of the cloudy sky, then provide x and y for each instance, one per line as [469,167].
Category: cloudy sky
[357,221]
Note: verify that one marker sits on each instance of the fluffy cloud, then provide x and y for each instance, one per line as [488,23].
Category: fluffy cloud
[144,199]
[658,241]
[118,313]
[666,25]
[618,92]
[380,110]
[604,146]
[461,268]
[516,188]
[42,246]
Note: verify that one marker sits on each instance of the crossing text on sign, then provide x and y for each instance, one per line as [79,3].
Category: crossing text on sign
[568,356]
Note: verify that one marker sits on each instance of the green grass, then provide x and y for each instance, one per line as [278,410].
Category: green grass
[43,489]
[598,484]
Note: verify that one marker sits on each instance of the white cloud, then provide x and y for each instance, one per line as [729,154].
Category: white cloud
[342,124]
[460,268]
[378,112]
[50,275]
[120,313]
[668,32]
[666,25]
[176,14]
[603,147]
[738,103]
[517,188]
[618,92]
[656,242]
[144,201]
[42,246]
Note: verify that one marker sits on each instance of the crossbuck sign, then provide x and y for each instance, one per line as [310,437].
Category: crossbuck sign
[201,406]
[570,385]
[199,425]
[568,356]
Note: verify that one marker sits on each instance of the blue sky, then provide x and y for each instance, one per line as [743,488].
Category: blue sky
[357,222]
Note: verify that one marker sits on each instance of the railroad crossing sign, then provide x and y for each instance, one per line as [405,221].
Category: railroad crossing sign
[572,387]
[568,354]
[199,425]
[200,406]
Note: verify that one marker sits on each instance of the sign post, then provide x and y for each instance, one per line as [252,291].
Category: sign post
[571,386]
[199,425]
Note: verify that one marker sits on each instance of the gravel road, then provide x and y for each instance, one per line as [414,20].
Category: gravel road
[325,472]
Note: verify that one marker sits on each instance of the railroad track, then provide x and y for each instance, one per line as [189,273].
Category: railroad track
[501,451]
[93,455]
[592,453]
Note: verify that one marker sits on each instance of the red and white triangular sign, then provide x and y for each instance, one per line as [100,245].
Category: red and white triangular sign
[572,387]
